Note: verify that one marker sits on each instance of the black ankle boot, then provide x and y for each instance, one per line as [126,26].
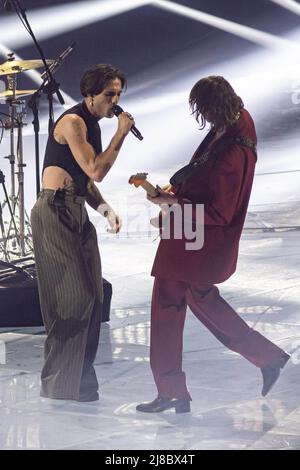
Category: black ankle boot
[271,373]
[181,405]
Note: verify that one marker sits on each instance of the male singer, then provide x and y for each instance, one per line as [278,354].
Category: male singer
[65,242]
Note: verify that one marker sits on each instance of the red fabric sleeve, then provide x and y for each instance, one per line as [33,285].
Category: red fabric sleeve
[226,184]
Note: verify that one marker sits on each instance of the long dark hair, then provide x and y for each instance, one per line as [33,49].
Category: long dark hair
[215,95]
[96,78]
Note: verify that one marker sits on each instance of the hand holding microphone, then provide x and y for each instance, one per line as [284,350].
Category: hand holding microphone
[117,110]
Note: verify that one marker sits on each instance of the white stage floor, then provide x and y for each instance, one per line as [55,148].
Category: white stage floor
[228,411]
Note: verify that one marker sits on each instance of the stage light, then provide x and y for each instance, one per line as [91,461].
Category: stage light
[251,34]
[289,5]
[52,21]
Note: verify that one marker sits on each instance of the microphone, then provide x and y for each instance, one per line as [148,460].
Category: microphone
[57,63]
[117,110]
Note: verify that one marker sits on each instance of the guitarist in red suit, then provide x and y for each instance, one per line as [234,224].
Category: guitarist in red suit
[220,176]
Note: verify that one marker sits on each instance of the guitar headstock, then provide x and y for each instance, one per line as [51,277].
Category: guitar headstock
[138,179]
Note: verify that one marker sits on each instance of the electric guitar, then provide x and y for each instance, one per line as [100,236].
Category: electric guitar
[140,179]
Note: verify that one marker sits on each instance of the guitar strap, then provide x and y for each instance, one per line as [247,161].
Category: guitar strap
[187,171]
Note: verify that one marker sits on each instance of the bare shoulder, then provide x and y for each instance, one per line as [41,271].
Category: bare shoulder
[72,122]
[72,127]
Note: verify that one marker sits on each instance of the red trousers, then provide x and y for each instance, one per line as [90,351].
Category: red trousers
[169,303]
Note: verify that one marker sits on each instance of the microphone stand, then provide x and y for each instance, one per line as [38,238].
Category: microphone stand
[49,87]
[33,103]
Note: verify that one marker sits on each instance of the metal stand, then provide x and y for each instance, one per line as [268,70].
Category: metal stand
[12,86]
[16,113]
[20,175]
[5,237]
[52,87]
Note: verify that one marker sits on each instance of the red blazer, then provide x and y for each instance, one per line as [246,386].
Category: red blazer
[223,185]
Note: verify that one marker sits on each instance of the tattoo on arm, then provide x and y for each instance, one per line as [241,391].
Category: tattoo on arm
[69,185]
[94,197]
[77,128]
[119,145]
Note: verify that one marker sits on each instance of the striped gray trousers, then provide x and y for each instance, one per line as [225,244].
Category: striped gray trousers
[70,289]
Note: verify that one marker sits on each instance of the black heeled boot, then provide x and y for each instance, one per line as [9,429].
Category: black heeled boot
[271,373]
[181,405]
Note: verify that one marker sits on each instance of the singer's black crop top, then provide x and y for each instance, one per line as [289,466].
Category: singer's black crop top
[60,154]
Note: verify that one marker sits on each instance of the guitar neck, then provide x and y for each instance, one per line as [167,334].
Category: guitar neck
[149,188]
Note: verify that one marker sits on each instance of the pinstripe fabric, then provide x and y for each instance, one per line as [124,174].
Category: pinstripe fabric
[69,274]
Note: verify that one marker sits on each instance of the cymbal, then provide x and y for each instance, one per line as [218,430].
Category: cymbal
[16,66]
[9,93]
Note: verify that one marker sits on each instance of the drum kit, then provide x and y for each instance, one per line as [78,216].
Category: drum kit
[15,237]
